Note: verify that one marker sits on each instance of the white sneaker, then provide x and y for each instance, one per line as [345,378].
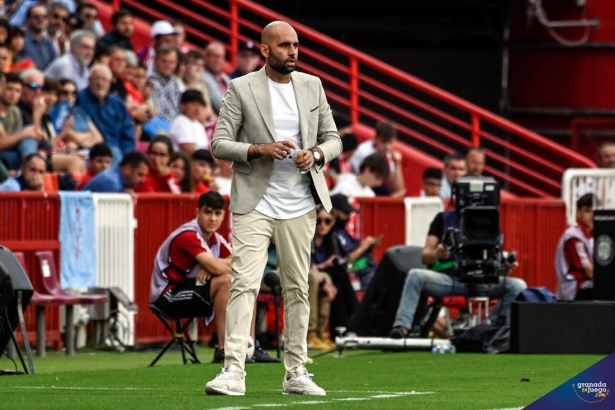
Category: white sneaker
[300,382]
[231,382]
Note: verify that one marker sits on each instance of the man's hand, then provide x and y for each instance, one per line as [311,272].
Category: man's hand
[304,160]
[203,276]
[32,131]
[39,105]
[441,252]
[329,291]
[275,150]
[511,266]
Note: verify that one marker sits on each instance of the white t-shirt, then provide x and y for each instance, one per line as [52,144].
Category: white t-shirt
[348,185]
[288,194]
[364,150]
[187,131]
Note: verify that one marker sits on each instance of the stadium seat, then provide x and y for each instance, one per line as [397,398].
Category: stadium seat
[50,286]
[40,301]
[177,335]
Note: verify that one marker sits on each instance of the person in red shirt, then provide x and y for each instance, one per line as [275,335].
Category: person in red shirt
[203,167]
[159,176]
[99,159]
[574,261]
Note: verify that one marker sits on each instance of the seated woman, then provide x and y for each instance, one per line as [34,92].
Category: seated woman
[159,176]
[180,167]
[326,258]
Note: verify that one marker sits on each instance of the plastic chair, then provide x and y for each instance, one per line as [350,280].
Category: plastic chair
[40,301]
[177,335]
[50,282]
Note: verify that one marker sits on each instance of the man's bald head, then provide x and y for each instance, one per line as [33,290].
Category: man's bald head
[272,29]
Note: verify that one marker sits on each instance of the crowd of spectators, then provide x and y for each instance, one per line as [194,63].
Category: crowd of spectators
[85,100]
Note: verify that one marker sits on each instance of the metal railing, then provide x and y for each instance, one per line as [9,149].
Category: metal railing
[426,116]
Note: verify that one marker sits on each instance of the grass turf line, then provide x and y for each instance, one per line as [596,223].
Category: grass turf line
[105,380]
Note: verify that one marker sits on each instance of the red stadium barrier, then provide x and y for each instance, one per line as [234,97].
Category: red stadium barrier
[30,222]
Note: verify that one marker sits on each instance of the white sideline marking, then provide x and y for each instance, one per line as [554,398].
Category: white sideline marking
[388,395]
[81,388]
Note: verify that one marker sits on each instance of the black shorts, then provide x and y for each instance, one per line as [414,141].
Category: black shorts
[186,299]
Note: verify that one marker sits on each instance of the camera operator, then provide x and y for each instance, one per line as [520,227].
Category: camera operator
[440,279]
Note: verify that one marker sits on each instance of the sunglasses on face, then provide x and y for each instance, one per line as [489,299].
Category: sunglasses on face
[35,86]
[327,221]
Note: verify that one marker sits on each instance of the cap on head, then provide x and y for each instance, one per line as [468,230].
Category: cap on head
[249,46]
[162,28]
[342,203]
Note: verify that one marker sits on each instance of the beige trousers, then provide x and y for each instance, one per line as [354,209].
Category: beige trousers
[252,234]
[319,307]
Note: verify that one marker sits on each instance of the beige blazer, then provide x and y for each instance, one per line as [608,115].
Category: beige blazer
[246,118]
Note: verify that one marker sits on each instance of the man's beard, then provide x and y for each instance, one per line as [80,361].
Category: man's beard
[280,66]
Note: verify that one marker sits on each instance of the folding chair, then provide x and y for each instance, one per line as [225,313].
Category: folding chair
[178,335]
[49,279]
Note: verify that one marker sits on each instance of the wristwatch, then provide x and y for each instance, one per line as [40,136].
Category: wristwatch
[316,155]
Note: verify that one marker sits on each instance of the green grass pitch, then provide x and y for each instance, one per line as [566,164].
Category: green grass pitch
[365,379]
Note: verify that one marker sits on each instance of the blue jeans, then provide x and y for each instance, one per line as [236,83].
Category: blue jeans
[432,283]
[12,156]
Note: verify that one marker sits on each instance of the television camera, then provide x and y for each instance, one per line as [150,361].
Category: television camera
[477,245]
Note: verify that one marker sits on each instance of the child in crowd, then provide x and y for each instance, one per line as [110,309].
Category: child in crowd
[99,159]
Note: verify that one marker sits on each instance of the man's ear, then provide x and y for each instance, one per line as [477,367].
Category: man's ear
[265,50]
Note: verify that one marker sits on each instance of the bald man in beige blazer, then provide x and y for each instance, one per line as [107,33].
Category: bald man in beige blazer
[264,116]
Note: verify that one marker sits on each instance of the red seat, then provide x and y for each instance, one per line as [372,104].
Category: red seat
[51,283]
[37,298]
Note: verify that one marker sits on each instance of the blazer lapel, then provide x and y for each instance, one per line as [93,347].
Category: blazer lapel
[302,94]
[260,91]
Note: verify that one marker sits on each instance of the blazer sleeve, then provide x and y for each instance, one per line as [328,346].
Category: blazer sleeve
[224,143]
[327,135]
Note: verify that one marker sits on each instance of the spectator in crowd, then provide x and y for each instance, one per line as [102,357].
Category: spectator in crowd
[132,61]
[432,182]
[248,59]
[122,29]
[58,14]
[193,76]
[475,160]
[326,257]
[187,132]
[166,87]
[606,155]
[159,176]
[341,164]
[574,260]
[352,250]
[373,171]
[213,76]
[5,31]
[163,34]
[19,9]
[74,64]
[84,132]
[31,176]
[321,292]
[108,112]
[180,167]
[5,58]
[16,45]
[192,269]
[117,64]
[139,81]
[15,141]
[203,166]
[89,14]
[124,177]
[441,279]
[37,45]
[383,143]
[180,39]
[99,160]
[454,166]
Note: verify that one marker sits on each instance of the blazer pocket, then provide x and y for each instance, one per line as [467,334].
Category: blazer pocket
[241,167]
[315,108]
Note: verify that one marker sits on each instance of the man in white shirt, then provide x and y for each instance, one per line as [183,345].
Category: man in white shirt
[187,132]
[74,65]
[373,170]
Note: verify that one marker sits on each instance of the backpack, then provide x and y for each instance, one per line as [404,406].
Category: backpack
[484,338]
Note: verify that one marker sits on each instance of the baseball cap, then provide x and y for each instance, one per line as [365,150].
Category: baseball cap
[249,46]
[162,28]
[342,203]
